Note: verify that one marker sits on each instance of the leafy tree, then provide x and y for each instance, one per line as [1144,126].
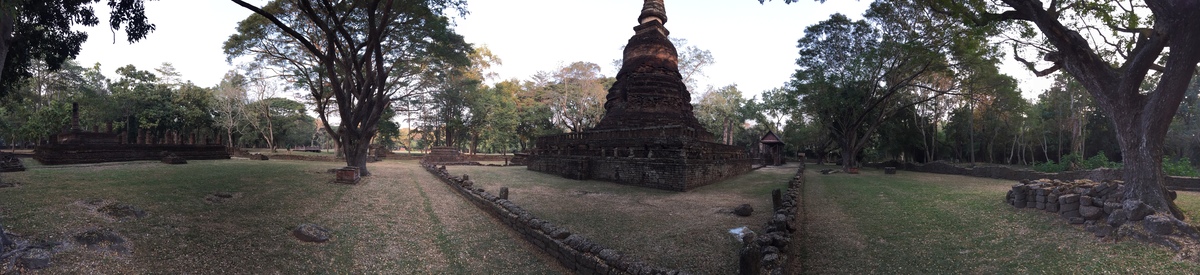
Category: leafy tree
[576,95]
[41,30]
[719,110]
[494,117]
[1185,127]
[359,55]
[1118,52]
[692,61]
[40,107]
[853,77]
[146,100]
[534,116]
[228,104]
[291,126]
[260,111]
[389,130]
[194,109]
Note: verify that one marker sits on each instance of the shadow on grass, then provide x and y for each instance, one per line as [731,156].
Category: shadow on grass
[946,224]
[683,230]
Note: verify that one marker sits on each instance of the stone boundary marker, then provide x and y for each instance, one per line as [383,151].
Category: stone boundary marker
[768,253]
[574,252]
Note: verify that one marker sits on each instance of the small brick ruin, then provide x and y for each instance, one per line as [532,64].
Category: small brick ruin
[648,135]
[78,146]
[1101,207]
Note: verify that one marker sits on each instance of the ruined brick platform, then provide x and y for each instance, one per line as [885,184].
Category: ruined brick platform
[648,135]
[669,158]
[78,146]
[55,154]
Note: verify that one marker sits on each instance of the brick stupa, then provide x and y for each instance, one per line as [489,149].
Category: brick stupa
[648,136]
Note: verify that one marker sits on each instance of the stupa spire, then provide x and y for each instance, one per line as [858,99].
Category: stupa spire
[653,10]
[649,90]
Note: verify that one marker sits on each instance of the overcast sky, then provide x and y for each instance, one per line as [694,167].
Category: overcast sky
[754,44]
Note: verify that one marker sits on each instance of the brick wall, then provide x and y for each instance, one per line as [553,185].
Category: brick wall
[573,251]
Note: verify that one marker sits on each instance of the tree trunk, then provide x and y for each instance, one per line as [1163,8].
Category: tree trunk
[474,143]
[6,29]
[356,148]
[849,158]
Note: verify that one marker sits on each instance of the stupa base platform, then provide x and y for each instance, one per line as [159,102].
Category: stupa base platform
[668,158]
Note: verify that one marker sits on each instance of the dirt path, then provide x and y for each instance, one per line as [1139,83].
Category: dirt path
[826,226]
[403,219]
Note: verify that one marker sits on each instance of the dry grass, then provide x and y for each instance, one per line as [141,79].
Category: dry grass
[401,220]
[920,223]
[681,230]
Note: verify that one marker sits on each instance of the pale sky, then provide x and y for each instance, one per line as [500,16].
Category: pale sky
[754,44]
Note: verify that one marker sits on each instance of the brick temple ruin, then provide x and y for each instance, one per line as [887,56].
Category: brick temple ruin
[78,146]
[648,136]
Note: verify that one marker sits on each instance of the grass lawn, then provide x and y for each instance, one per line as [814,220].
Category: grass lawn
[681,230]
[918,223]
[400,220]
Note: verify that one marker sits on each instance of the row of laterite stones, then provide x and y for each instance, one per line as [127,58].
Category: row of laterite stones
[1099,206]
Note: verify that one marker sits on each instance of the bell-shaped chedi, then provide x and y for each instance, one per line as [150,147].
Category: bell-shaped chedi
[648,136]
[649,90]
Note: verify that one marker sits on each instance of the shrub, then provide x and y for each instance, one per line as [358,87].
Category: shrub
[1179,167]
[1049,167]
[1099,161]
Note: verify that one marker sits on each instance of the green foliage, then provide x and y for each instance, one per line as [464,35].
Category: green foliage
[389,131]
[1179,167]
[1049,167]
[721,111]
[1074,161]
[41,33]
[1099,161]
[576,95]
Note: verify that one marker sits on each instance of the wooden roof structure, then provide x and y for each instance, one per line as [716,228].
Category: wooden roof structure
[770,138]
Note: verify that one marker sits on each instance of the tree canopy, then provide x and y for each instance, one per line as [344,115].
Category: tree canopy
[354,57]
[41,30]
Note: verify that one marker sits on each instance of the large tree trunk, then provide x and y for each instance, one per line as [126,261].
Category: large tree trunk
[7,23]
[850,148]
[1142,174]
[356,146]
[474,143]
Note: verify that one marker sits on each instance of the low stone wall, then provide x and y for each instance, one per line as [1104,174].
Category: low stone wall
[571,250]
[1003,172]
[768,253]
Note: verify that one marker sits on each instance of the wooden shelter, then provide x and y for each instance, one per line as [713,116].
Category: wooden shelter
[772,149]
